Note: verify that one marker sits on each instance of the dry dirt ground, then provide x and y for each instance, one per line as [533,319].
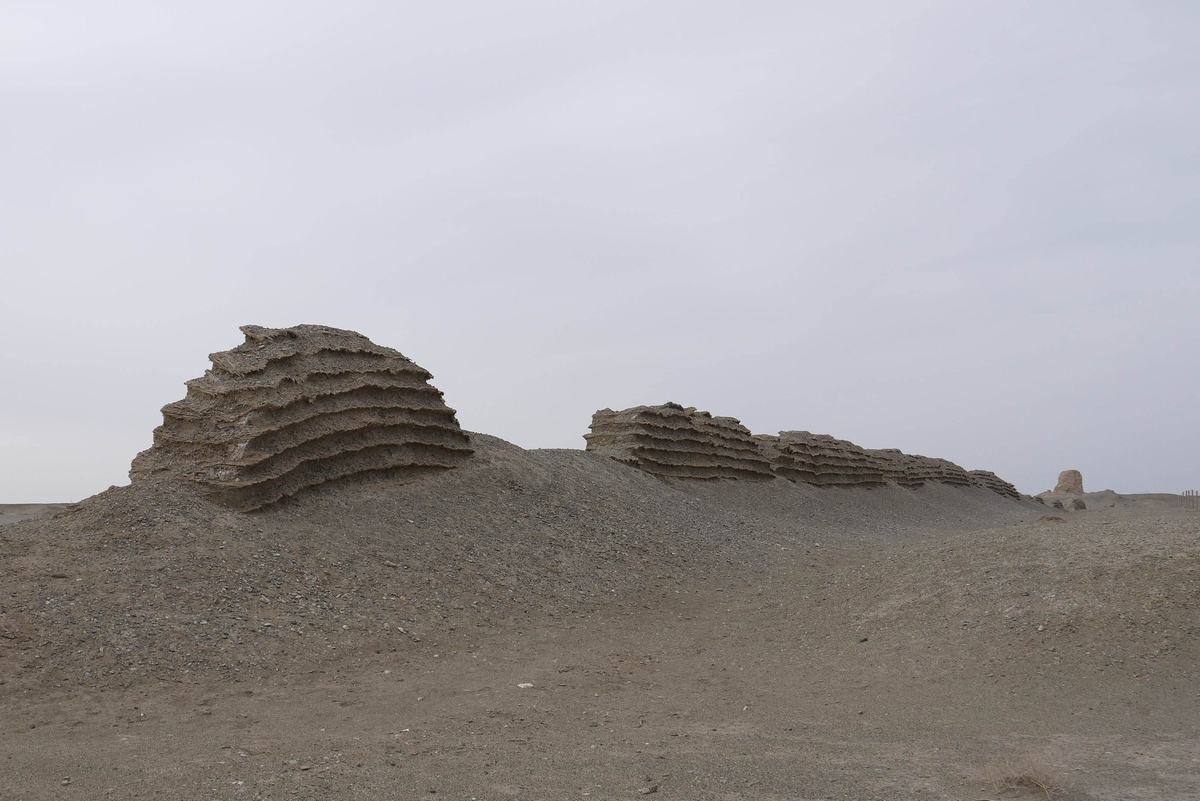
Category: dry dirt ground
[551,625]
[16,512]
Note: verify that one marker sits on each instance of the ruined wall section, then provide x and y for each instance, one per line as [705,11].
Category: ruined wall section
[898,467]
[822,460]
[292,408]
[943,471]
[990,480]
[682,442]
[677,441]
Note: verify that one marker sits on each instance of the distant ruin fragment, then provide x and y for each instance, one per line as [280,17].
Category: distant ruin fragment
[292,408]
[678,441]
[822,460]
[1070,482]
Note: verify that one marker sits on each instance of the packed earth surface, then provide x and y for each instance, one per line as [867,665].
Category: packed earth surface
[552,624]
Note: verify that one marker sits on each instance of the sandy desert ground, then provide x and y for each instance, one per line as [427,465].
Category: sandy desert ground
[553,625]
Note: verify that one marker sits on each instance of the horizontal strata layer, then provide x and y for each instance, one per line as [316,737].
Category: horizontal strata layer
[717,450]
[683,438]
[671,440]
[266,345]
[825,479]
[821,460]
[262,465]
[698,465]
[276,431]
[942,470]
[682,441]
[706,473]
[673,429]
[307,368]
[676,426]
[912,470]
[293,408]
[270,414]
[895,467]
[673,420]
[826,465]
[995,483]
[400,460]
[686,459]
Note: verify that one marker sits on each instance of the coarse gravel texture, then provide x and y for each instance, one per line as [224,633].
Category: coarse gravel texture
[553,624]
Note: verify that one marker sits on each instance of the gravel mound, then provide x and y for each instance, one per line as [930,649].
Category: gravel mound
[157,580]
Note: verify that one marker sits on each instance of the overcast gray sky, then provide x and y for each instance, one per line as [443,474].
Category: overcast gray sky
[968,230]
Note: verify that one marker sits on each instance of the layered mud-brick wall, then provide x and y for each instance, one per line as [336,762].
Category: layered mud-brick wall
[996,484]
[912,470]
[943,471]
[678,441]
[292,408]
[898,467]
[671,440]
[821,460]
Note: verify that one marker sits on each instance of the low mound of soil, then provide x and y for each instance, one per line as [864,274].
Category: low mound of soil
[155,581]
[554,624]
